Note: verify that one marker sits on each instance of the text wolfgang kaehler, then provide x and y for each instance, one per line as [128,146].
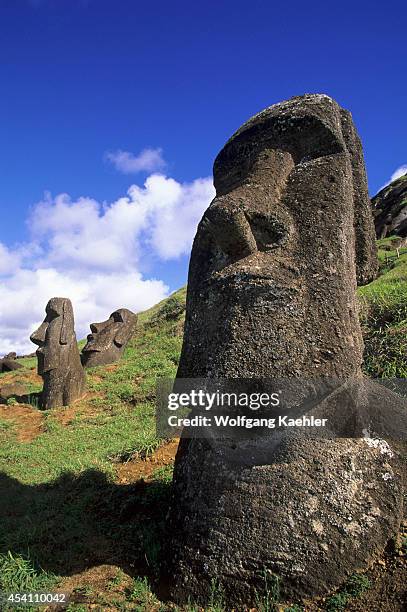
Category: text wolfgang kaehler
[205,401]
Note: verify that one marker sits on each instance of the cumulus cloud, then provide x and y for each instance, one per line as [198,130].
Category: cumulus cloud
[400,171]
[25,294]
[149,160]
[8,259]
[93,253]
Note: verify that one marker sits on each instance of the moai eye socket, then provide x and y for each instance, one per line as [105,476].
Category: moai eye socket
[51,314]
[267,230]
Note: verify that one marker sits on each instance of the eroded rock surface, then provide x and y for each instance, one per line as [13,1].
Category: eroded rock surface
[390,209]
[8,365]
[17,391]
[58,357]
[272,294]
[109,338]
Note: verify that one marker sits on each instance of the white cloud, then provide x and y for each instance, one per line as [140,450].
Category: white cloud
[93,252]
[8,259]
[149,160]
[173,229]
[400,171]
[25,294]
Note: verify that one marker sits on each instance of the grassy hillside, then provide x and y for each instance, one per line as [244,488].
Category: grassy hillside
[384,317]
[67,493]
[84,490]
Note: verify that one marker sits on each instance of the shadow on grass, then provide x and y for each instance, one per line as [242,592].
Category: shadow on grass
[81,521]
[32,399]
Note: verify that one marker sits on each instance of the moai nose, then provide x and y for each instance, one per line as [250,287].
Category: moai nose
[231,231]
[38,337]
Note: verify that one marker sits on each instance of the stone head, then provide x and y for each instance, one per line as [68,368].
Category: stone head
[277,255]
[55,335]
[108,339]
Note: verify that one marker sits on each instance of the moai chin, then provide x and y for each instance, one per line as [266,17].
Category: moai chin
[108,339]
[58,357]
[272,294]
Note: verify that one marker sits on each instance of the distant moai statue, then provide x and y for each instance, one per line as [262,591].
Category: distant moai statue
[272,294]
[9,364]
[58,356]
[108,339]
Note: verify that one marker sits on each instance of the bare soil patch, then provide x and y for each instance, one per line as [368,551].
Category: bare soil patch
[29,422]
[138,469]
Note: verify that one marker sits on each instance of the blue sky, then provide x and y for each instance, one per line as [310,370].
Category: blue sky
[84,78]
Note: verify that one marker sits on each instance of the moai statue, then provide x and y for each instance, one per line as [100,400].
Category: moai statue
[108,339]
[58,357]
[272,294]
[8,365]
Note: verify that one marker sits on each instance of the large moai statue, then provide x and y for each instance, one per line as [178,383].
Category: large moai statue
[108,339]
[272,293]
[58,356]
[272,279]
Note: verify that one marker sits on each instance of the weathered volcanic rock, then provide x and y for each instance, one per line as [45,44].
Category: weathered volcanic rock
[390,209]
[8,365]
[272,278]
[58,357]
[108,339]
[16,390]
[272,294]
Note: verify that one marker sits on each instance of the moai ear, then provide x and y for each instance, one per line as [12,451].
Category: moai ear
[63,339]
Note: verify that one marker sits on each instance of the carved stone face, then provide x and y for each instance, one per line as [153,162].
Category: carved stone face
[58,358]
[272,279]
[272,295]
[54,335]
[108,339]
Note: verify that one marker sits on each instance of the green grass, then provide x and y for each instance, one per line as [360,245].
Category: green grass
[355,586]
[120,421]
[140,593]
[6,426]
[383,311]
[271,593]
[177,298]
[19,574]
[62,509]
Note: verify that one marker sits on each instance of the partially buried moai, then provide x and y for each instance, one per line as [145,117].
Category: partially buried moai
[272,293]
[109,338]
[58,356]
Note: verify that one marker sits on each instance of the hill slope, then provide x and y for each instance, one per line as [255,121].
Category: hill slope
[84,490]
[390,209]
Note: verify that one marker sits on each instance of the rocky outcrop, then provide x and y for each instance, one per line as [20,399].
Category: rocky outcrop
[390,209]
[17,391]
[8,365]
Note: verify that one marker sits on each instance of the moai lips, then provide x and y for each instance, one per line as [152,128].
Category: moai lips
[58,356]
[272,295]
[109,338]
